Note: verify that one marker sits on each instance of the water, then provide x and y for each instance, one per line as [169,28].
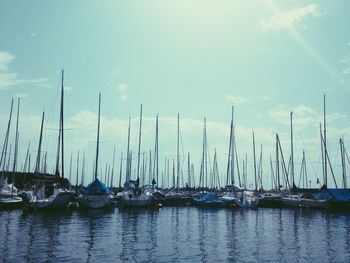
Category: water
[185,234]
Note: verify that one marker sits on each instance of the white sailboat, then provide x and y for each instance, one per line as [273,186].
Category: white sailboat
[48,194]
[304,201]
[8,195]
[134,195]
[8,192]
[96,195]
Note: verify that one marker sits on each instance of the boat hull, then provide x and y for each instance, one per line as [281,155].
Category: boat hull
[270,203]
[246,203]
[306,203]
[60,201]
[177,201]
[95,202]
[10,202]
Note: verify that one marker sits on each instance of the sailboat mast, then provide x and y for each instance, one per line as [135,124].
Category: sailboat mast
[4,149]
[83,170]
[205,163]
[233,150]
[111,183]
[16,140]
[26,159]
[189,170]
[178,152]
[128,156]
[60,133]
[62,128]
[277,165]
[77,180]
[37,167]
[120,172]
[291,147]
[229,155]
[98,135]
[325,138]
[70,168]
[256,185]
[156,167]
[139,152]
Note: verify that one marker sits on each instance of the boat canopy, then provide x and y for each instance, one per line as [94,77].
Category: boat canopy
[96,187]
[341,195]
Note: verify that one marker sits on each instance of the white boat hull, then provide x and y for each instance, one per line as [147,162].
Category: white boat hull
[305,203]
[8,202]
[61,200]
[129,199]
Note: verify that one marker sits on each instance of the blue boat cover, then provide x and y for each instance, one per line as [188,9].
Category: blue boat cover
[207,197]
[340,195]
[96,188]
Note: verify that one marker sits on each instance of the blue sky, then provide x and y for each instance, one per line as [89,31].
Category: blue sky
[195,58]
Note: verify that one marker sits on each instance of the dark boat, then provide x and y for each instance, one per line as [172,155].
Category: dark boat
[270,200]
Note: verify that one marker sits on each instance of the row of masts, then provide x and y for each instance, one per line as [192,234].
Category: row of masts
[282,175]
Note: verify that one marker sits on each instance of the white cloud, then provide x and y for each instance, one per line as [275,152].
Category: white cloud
[123,97]
[303,116]
[9,79]
[5,60]
[289,18]
[264,98]
[346,62]
[20,95]
[236,99]
[33,34]
[122,88]
[68,88]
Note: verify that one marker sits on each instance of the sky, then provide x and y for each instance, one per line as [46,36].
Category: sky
[196,58]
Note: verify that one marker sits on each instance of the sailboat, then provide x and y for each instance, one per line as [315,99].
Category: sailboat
[134,195]
[176,197]
[96,195]
[8,192]
[49,193]
[8,195]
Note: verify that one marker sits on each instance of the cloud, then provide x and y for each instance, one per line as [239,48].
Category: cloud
[68,88]
[5,60]
[123,97]
[303,116]
[236,99]
[10,79]
[33,34]
[289,18]
[346,62]
[264,98]
[20,95]
[121,90]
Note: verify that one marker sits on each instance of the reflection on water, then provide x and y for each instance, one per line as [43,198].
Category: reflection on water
[175,235]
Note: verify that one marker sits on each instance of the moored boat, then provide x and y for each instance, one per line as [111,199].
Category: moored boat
[246,199]
[135,196]
[270,200]
[96,195]
[302,201]
[46,196]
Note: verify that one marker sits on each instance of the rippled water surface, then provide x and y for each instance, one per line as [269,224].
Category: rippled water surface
[186,234]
